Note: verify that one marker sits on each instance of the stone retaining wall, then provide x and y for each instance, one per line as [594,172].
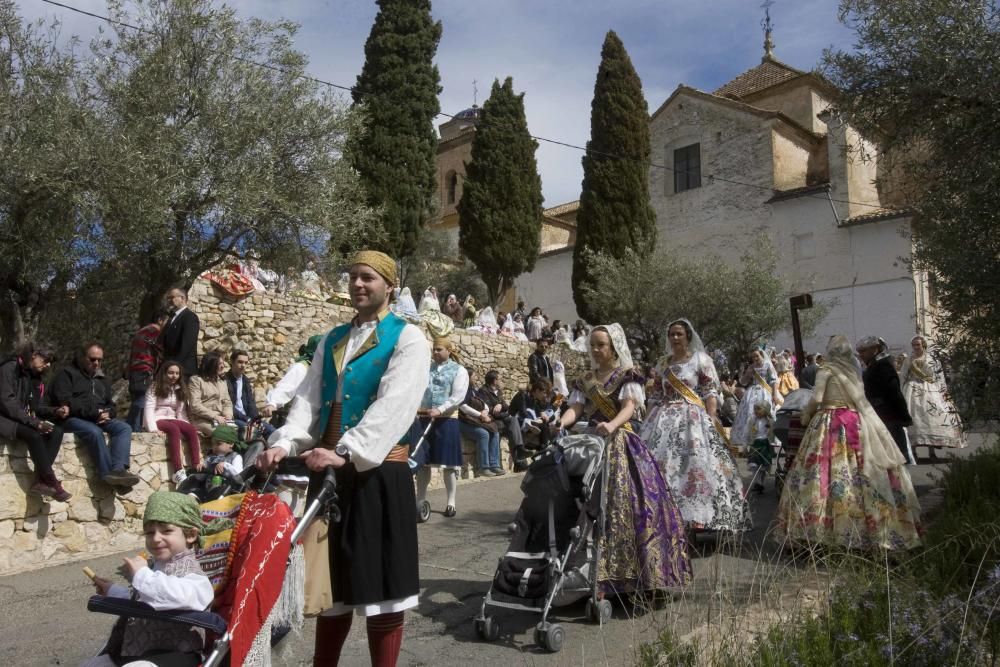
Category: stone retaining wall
[271,327]
[96,521]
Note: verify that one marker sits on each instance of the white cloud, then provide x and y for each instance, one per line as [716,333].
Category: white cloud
[552,50]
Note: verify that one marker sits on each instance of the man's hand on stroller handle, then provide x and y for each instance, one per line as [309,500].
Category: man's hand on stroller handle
[318,459]
[269,459]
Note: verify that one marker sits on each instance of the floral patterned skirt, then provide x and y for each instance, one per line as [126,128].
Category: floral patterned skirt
[828,499]
[697,467]
[643,547]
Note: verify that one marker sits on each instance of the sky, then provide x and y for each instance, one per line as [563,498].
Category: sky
[552,50]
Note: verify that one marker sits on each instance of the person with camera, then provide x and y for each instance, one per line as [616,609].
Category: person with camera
[25,415]
[85,392]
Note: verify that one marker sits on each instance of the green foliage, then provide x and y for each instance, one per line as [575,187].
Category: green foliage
[500,213]
[395,149]
[667,650]
[206,155]
[731,307]
[923,80]
[438,263]
[46,149]
[615,215]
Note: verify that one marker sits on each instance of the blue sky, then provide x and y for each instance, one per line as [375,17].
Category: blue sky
[552,49]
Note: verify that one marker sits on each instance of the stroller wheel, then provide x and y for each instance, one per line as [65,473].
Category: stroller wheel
[488,628]
[599,612]
[423,511]
[552,637]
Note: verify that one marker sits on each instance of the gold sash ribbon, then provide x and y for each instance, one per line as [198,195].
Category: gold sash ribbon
[920,373]
[685,391]
[778,400]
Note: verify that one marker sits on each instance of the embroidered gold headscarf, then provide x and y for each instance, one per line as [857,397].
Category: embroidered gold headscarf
[381,262]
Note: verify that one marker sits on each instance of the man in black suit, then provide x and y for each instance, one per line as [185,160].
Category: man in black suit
[241,392]
[180,336]
[883,392]
[539,365]
[807,378]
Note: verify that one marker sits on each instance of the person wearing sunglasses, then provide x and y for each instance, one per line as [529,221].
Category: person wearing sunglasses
[84,389]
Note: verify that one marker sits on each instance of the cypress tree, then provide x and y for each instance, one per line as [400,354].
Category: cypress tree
[394,150]
[500,212]
[615,216]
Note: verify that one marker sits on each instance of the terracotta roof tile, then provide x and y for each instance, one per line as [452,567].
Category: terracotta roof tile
[875,216]
[769,73]
[562,209]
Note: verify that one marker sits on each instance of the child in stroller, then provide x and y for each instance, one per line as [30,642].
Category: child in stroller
[247,556]
[171,578]
[224,471]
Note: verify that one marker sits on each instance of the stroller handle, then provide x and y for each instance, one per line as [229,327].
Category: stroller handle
[327,495]
[412,462]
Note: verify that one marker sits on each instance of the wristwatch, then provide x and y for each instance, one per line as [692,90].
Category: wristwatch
[342,450]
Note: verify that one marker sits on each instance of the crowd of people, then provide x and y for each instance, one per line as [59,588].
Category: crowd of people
[373,399]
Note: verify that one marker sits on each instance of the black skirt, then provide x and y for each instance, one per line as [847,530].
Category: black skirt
[373,548]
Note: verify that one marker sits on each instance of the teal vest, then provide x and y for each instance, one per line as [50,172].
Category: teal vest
[360,375]
[439,386]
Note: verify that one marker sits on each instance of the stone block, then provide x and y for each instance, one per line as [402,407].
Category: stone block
[7,529]
[82,509]
[71,536]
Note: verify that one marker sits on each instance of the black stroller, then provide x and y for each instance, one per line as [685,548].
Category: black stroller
[553,554]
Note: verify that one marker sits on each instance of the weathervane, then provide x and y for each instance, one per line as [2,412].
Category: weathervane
[767,26]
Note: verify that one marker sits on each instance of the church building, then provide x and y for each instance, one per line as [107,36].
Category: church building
[764,154]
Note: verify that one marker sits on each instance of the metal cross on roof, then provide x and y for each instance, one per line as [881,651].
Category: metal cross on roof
[767,26]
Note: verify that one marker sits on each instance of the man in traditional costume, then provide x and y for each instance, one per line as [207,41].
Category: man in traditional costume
[883,391]
[353,412]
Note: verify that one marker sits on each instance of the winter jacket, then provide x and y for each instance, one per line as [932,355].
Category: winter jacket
[85,395]
[22,399]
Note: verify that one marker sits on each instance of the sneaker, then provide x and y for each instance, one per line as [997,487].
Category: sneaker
[487,472]
[121,478]
[179,476]
[43,489]
[499,471]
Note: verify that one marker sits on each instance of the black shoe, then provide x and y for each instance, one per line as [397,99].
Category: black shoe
[450,511]
[499,471]
[121,478]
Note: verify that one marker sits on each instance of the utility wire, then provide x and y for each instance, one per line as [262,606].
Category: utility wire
[305,77]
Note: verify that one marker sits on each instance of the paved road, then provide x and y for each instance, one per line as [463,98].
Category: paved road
[44,620]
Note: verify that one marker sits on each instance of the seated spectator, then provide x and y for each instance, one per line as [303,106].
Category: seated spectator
[145,354]
[241,393]
[209,404]
[85,391]
[453,309]
[491,393]
[477,423]
[25,415]
[166,412]
[535,410]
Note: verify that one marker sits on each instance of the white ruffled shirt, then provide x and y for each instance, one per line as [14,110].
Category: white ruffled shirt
[385,421]
[283,392]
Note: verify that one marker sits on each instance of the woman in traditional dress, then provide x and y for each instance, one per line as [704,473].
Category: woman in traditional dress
[787,382]
[430,313]
[762,385]
[486,322]
[847,485]
[683,436]
[935,420]
[536,322]
[405,307]
[469,311]
[643,545]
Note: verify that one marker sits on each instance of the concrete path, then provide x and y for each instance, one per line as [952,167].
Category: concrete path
[738,587]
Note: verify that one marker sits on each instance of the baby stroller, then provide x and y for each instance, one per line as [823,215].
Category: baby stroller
[553,554]
[257,578]
[789,431]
